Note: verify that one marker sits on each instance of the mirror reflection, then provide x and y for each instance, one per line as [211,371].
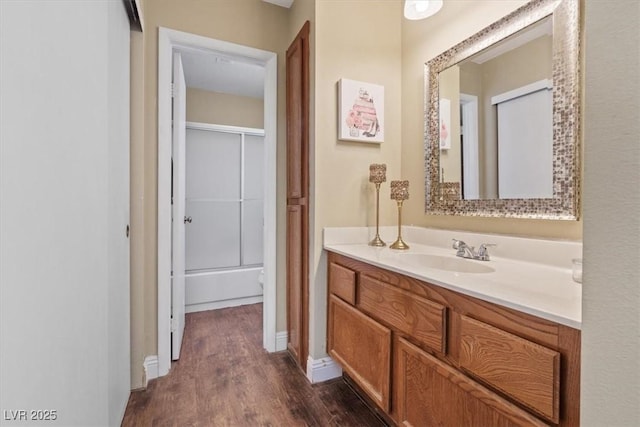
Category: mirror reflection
[496,119]
[499,145]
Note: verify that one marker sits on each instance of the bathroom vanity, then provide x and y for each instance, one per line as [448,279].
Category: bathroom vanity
[442,344]
[430,338]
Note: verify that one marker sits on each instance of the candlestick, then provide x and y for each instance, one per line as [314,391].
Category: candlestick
[377,175]
[399,193]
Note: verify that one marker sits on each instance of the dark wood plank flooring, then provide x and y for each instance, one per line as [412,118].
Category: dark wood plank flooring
[225,378]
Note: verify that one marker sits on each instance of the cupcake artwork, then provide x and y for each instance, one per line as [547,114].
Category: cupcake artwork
[445,124]
[361,111]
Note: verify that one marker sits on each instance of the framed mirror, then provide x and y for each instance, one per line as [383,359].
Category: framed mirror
[502,118]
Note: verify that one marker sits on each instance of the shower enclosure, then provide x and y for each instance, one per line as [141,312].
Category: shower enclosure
[224,216]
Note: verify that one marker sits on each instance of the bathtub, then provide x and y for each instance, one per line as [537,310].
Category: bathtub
[213,289]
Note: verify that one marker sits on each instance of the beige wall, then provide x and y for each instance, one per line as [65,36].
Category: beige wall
[471,84]
[233,110]
[421,41]
[360,41]
[224,109]
[610,375]
[252,23]
[526,64]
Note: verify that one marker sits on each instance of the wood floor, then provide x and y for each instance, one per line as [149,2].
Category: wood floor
[225,378]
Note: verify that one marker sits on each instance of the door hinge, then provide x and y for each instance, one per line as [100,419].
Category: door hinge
[173,90]
[173,325]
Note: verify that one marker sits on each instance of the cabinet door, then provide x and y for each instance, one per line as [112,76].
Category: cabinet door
[432,393]
[296,329]
[362,347]
[297,100]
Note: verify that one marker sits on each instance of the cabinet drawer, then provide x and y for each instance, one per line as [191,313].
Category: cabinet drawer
[411,314]
[526,371]
[362,347]
[342,282]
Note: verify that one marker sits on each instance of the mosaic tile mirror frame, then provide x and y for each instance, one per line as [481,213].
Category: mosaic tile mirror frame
[563,200]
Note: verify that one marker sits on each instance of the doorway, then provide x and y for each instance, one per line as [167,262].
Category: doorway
[469,139]
[171,41]
[224,214]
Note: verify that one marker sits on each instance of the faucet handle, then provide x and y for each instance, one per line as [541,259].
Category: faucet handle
[457,244]
[463,250]
[483,251]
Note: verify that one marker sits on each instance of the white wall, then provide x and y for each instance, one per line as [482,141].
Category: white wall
[611,288]
[118,297]
[64,327]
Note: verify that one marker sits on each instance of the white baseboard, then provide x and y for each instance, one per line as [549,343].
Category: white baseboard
[150,369]
[323,369]
[281,340]
[215,305]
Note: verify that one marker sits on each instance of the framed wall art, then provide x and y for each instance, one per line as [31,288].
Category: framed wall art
[445,124]
[360,111]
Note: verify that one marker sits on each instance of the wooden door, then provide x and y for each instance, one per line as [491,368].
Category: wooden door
[297,195]
[362,347]
[178,208]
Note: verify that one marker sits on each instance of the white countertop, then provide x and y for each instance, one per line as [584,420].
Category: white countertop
[542,287]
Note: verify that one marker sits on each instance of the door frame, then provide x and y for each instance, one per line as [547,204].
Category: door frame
[471,149]
[168,40]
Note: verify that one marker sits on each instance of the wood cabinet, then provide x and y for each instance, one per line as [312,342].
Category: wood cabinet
[362,347]
[426,355]
[342,283]
[297,100]
[413,315]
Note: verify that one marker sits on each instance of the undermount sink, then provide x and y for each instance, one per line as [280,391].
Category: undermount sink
[458,265]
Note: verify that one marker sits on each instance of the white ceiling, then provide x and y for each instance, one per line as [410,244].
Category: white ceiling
[218,73]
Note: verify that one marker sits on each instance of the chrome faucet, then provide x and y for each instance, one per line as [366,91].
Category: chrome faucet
[483,251]
[466,251]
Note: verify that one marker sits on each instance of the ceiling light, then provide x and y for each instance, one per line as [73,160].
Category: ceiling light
[283,3]
[420,9]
